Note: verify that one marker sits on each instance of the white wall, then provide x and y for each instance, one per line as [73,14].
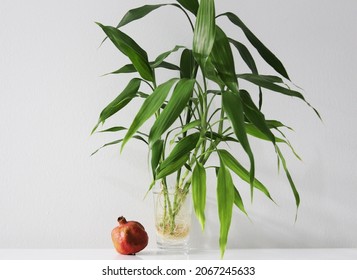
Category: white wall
[54,195]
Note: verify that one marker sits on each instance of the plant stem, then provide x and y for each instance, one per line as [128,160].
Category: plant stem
[220,127]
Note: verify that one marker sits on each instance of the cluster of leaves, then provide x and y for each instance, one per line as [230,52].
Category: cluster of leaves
[185,122]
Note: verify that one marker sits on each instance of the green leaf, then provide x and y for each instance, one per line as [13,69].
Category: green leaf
[199,192]
[265,53]
[168,65]
[262,81]
[106,145]
[171,167]
[214,136]
[245,54]
[178,156]
[129,68]
[191,5]
[186,128]
[288,143]
[114,129]
[276,124]
[156,154]
[118,142]
[178,101]
[131,49]
[190,125]
[211,73]
[142,11]
[255,116]
[233,107]
[164,55]
[188,65]
[151,104]
[225,200]
[238,201]
[252,130]
[269,83]
[188,168]
[119,102]
[205,29]
[292,184]
[222,59]
[238,169]
[138,13]
[272,79]
[249,60]
[138,137]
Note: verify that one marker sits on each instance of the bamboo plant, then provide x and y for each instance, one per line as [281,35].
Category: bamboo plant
[188,129]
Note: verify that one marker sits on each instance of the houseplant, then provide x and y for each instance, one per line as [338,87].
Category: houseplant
[187,129]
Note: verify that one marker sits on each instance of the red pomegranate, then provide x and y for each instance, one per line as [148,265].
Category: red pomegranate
[129,237]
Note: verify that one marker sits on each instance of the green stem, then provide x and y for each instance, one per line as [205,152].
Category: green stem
[220,128]
[167,204]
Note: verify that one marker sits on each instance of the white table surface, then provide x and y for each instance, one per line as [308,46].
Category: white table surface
[148,254]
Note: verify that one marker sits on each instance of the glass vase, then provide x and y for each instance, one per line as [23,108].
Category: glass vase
[173,212]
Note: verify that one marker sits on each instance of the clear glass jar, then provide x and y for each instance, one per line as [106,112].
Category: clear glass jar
[173,215]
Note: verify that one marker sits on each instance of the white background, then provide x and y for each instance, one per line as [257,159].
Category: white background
[54,195]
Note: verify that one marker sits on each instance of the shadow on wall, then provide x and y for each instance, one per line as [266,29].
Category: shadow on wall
[324,219]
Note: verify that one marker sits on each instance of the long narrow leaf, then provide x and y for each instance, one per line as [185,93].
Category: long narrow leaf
[245,54]
[190,125]
[129,68]
[265,53]
[276,124]
[265,83]
[199,192]
[170,167]
[211,72]
[187,127]
[131,49]
[178,101]
[249,60]
[178,156]
[222,59]
[205,30]
[233,107]
[138,13]
[119,102]
[149,107]
[255,116]
[183,147]
[225,200]
[272,79]
[238,201]
[168,65]
[252,130]
[156,154]
[114,129]
[164,55]
[214,136]
[243,173]
[106,145]
[191,5]
[188,65]
[292,184]
[138,137]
